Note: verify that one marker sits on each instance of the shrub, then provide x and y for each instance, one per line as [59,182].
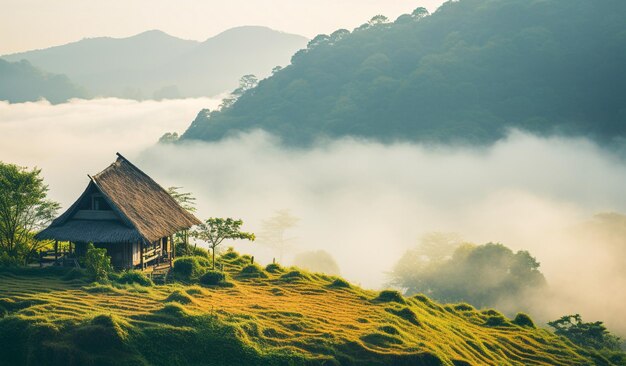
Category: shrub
[179,297]
[188,268]
[253,270]
[497,321]
[8,261]
[74,274]
[523,320]
[230,254]
[273,268]
[463,307]
[294,275]
[390,296]
[185,249]
[97,263]
[340,283]
[137,277]
[212,277]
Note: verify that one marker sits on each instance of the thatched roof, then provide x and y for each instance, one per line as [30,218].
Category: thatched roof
[143,210]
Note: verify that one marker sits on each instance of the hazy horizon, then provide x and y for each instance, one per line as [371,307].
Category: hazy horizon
[62,22]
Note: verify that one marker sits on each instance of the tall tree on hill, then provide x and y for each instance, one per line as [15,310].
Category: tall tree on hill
[215,230]
[24,208]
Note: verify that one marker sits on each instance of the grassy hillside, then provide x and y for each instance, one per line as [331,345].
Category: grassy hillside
[283,317]
[468,72]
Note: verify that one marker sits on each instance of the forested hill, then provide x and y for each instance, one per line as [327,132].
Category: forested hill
[22,82]
[468,72]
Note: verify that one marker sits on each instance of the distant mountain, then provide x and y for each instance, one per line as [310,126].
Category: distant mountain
[154,64]
[21,82]
[469,72]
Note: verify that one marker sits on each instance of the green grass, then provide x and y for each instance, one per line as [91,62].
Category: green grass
[291,317]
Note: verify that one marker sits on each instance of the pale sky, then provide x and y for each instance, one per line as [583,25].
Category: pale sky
[32,24]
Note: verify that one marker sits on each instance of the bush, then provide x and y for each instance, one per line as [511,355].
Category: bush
[464,307]
[179,297]
[523,320]
[230,254]
[74,274]
[97,263]
[137,277]
[273,268]
[8,261]
[212,277]
[189,268]
[340,283]
[294,275]
[253,270]
[497,321]
[183,250]
[390,296]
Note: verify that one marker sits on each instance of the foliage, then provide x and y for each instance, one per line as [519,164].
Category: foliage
[168,138]
[390,296]
[273,230]
[440,77]
[24,208]
[22,82]
[591,335]
[340,283]
[97,263]
[523,320]
[215,230]
[189,268]
[482,275]
[253,271]
[212,277]
[186,200]
[185,249]
[246,83]
[137,277]
[273,268]
[317,261]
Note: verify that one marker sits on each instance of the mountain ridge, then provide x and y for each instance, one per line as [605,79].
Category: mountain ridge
[154,64]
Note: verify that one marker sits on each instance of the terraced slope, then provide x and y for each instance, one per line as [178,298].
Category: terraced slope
[287,317]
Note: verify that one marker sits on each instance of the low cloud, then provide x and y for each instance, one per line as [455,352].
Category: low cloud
[363,202]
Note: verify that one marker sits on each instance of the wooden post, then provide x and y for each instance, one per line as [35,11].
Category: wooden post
[141,255]
[171,249]
[56,250]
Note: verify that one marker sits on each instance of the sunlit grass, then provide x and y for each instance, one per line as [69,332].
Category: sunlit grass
[281,314]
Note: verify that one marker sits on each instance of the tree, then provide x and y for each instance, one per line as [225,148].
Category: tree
[24,209]
[420,13]
[317,261]
[317,40]
[187,201]
[378,20]
[273,230]
[591,335]
[168,138]
[482,275]
[97,263]
[215,230]
[246,83]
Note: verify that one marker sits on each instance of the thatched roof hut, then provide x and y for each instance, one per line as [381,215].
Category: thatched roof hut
[121,205]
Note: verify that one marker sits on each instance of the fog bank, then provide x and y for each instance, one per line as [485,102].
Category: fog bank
[363,202]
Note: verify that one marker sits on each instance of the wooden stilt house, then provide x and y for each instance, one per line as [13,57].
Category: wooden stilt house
[125,211]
